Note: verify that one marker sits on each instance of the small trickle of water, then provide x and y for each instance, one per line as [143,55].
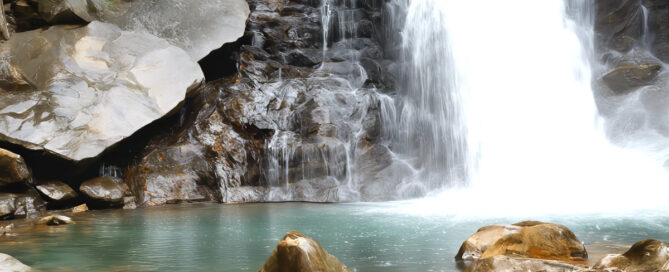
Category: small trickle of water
[108,170]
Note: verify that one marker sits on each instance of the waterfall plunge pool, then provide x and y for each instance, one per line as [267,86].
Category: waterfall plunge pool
[364,236]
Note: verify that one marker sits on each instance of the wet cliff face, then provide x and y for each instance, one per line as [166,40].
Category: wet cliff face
[630,79]
[299,121]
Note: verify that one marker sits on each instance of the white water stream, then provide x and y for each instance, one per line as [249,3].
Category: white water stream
[516,106]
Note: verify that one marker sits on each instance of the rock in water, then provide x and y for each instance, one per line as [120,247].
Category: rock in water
[80,208]
[626,78]
[91,87]
[10,264]
[540,241]
[55,220]
[104,192]
[513,264]
[12,167]
[56,191]
[646,255]
[299,253]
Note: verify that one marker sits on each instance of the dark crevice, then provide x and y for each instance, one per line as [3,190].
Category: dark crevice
[222,62]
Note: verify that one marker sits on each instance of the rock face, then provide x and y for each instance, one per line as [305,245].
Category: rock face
[12,168]
[626,78]
[10,264]
[104,192]
[299,253]
[57,192]
[646,255]
[82,90]
[4,30]
[286,127]
[26,205]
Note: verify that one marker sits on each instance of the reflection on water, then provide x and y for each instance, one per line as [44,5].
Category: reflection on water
[204,237]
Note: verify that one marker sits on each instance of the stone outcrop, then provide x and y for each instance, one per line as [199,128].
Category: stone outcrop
[626,78]
[284,127]
[104,192]
[82,90]
[23,205]
[12,168]
[10,264]
[646,255]
[57,192]
[299,253]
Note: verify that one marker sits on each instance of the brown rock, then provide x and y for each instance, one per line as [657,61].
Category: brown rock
[3,22]
[626,78]
[104,192]
[80,208]
[12,168]
[646,255]
[55,220]
[299,253]
[540,241]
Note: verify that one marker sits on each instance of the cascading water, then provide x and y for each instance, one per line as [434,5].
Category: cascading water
[499,96]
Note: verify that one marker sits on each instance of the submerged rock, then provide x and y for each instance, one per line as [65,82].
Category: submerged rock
[646,255]
[90,87]
[55,220]
[12,168]
[299,253]
[104,192]
[10,264]
[518,264]
[626,78]
[57,192]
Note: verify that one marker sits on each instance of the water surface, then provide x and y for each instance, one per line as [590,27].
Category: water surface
[210,237]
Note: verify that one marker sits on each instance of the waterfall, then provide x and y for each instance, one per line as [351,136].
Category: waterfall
[498,98]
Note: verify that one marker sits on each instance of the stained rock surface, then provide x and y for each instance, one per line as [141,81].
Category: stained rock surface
[646,255]
[299,253]
[12,168]
[82,90]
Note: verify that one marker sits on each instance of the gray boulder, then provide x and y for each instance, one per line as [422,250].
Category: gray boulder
[56,191]
[89,87]
[104,192]
[12,168]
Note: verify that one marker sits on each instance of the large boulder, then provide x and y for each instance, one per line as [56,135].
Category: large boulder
[12,168]
[104,192]
[57,192]
[90,87]
[299,253]
[626,78]
[10,264]
[646,255]
[540,241]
